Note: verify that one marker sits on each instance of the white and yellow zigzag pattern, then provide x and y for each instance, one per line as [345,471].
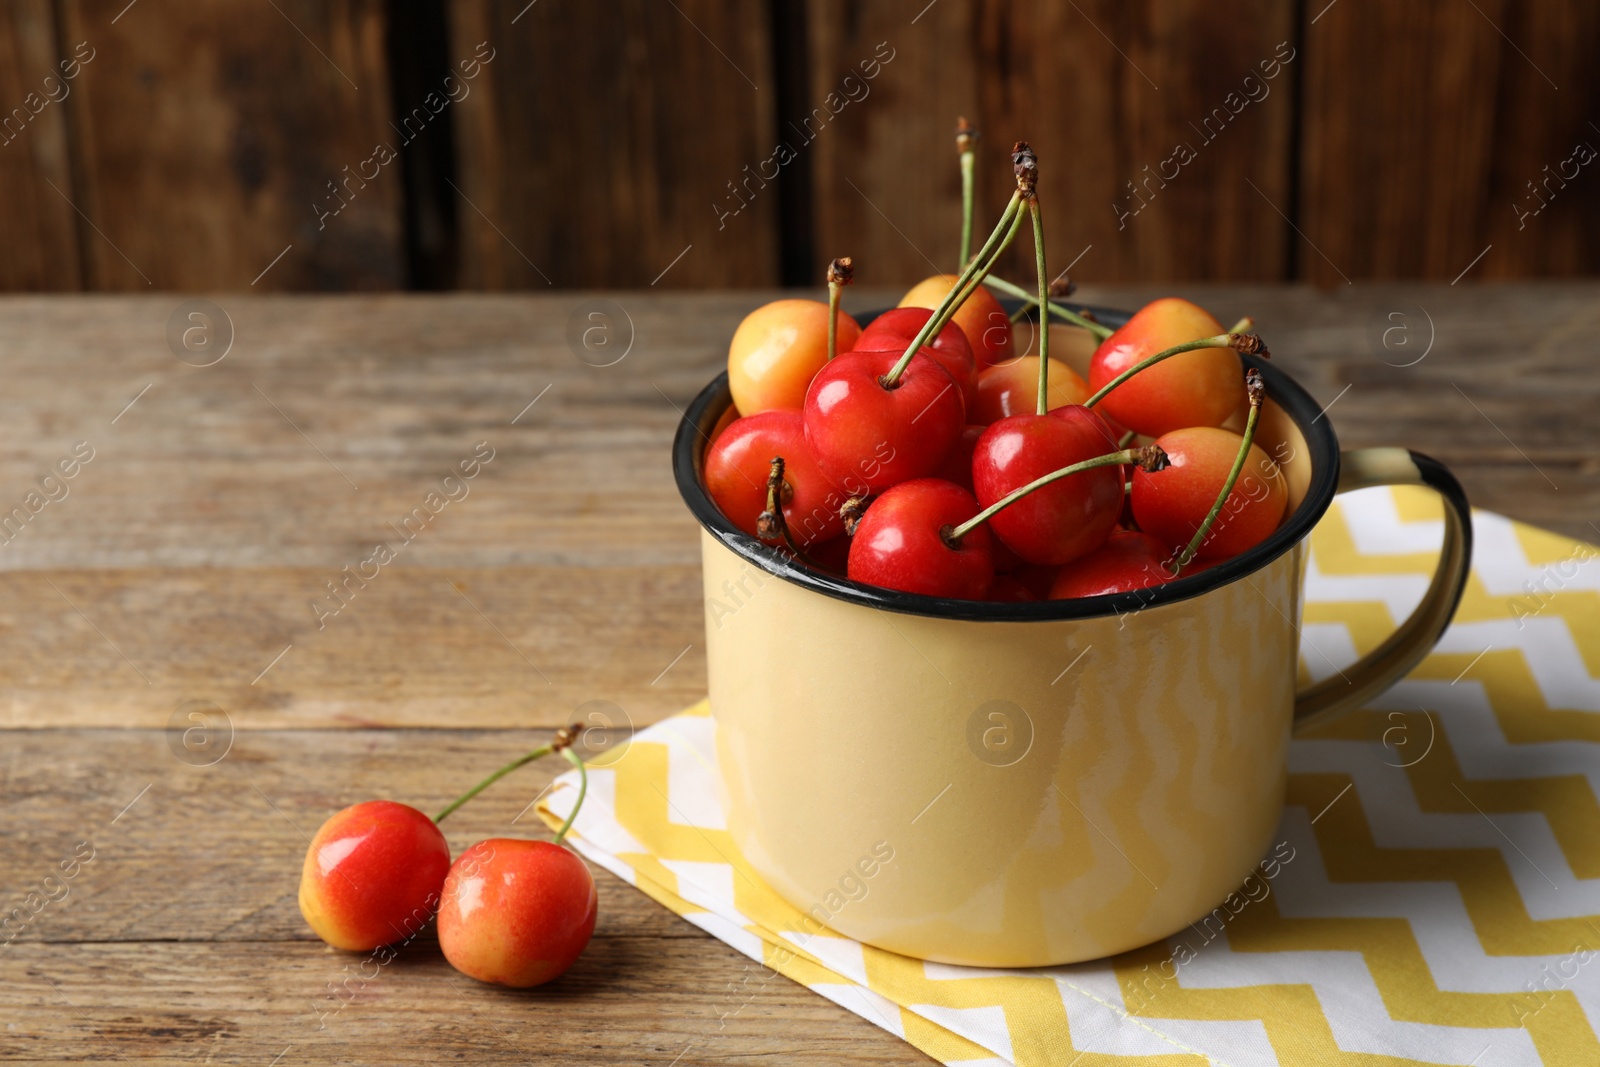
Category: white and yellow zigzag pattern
[1441,909]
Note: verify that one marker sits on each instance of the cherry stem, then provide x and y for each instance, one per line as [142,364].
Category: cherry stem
[841,272]
[966,140]
[1100,330]
[1242,342]
[1044,296]
[1256,389]
[583,791]
[1243,325]
[983,274]
[1003,232]
[1149,457]
[562,742]
[772,524]
[851,511]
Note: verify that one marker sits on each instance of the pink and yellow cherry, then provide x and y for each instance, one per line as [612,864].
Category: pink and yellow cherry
[867,435]
[736,477]
[1064,519]
[1199,388]
[516,913]
[898,327]
[777,350]
[1128,560]
[373,875]
[903,542]
[980,317]
[1172,506]
[1013,389]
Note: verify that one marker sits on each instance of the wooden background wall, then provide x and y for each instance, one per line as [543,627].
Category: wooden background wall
[204,145]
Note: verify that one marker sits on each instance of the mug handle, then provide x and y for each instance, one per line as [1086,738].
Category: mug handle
[1406,647]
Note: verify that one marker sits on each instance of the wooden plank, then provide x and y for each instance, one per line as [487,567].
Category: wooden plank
[605,138]
[1102,90]
[1424,125]
[211,137]
[159,948]
[416,645]
[38,227]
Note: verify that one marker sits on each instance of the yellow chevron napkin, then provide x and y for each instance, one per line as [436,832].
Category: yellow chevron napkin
[1436,899]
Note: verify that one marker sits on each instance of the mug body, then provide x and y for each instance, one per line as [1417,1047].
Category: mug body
[1007,784]
[1006,794]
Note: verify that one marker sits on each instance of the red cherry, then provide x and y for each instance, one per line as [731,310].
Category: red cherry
[736,476]
[868,437]
[1173,504]
[957,465]
[832,555]
[373,875]
[1199,388]
[1062,520]
[515,912]
[1010,590]
[900,543]
[1128,560]
[898,327]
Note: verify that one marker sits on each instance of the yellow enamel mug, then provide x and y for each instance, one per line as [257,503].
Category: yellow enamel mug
[1030,784]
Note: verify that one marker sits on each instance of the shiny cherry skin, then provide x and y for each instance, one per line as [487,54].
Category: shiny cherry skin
[1172,504]
[736,470]
[1065,519]
[1128,560]
[777,350]
[980,317]
[899,544]
[373,875]
[1013,389]
[1199,388]
[515,912]
[867,437]
[898,327]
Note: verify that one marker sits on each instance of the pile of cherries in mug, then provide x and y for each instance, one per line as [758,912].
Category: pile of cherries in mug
[921,454]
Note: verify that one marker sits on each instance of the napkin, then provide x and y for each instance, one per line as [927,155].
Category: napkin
[1440,903]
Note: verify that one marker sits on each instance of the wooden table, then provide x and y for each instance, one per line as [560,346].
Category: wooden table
[220,499]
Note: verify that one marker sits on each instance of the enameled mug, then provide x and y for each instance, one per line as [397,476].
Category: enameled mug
[1031,784]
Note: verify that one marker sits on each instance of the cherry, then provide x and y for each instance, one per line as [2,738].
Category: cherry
[736,469]
[777,349]
[1173,506]
[869,431]
[1128,560]
[903,542]
[373,875]
[980,317]
[1197,388]
[957,465]
[516,913]
[1010,589]
[832,556]
[894,329]
[1065,519]
[1013,388]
